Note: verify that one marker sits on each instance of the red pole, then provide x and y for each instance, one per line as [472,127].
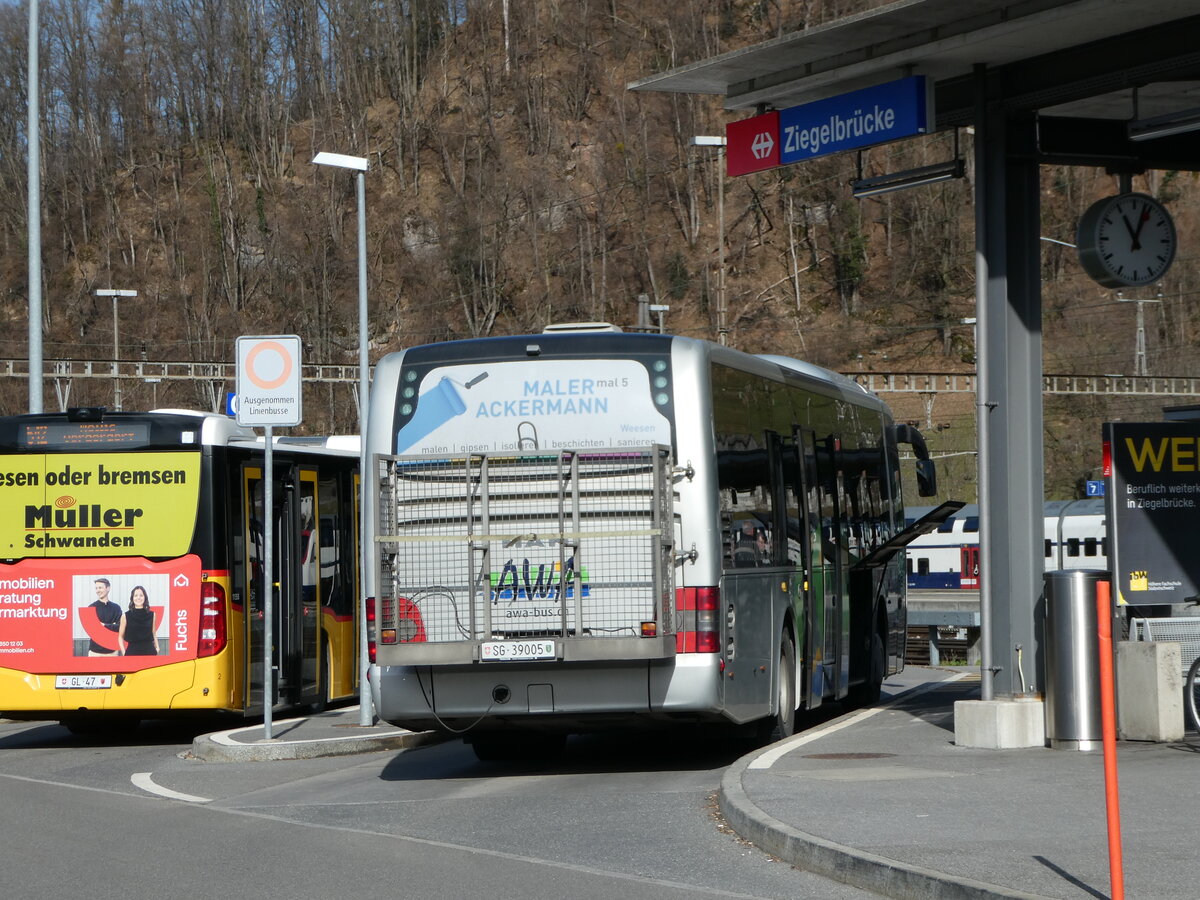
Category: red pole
[1108,724]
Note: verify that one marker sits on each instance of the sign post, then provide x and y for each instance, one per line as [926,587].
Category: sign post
[268,391]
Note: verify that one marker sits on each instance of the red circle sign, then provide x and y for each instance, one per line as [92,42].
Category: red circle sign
[268,384]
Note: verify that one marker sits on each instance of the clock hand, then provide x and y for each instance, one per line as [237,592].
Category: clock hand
[1133,235]
[1142,220]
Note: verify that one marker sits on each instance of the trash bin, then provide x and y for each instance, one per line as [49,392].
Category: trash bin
[1072,655]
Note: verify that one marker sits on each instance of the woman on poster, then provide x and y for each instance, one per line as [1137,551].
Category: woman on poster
[136,632]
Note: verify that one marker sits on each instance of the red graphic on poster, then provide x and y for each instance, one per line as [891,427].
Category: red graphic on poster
[64,615]
[89,618]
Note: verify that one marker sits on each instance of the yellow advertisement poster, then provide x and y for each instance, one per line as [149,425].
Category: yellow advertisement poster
[97,504]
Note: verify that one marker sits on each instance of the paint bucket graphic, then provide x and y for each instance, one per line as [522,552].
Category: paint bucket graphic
[435,408]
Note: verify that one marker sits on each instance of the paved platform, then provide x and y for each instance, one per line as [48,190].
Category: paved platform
[883,799]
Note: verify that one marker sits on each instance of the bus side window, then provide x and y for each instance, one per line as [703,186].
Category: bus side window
[745,547]
[750,489]
[746,509]
[751,545]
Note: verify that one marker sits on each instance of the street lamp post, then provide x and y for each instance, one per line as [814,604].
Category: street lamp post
[718,141]
[359,165]
[33,166]
[661,309]
[116,295]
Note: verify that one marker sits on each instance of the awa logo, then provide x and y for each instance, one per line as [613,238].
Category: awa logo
[762,145]
[514,585]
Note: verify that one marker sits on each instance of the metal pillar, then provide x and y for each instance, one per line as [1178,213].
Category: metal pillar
[1010,398]
[722,299]
[1139,352]
[34,215]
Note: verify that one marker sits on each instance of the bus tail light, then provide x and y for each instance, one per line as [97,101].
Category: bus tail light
[213,630]
[700,626]
[410,627]
[400,622]
[371,626]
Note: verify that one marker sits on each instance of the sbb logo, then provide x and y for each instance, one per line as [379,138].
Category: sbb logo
[752,144]
[762,145]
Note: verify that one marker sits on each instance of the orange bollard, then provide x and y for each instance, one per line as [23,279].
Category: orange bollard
[1108,724]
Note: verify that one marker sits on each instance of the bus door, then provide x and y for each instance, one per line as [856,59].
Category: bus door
[336,568]
[804,553]
[294,594]
[835,541]
[308,622]
[750,577]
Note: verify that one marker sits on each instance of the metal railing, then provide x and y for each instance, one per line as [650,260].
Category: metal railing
[877,382]
[141,370]
[964,383]
[1183,629]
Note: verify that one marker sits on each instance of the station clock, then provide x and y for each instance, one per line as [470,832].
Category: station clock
[1126,241]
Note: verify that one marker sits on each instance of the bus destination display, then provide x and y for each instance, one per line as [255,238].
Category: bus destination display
[79,435]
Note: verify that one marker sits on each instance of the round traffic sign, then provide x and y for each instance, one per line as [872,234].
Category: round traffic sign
[268,365]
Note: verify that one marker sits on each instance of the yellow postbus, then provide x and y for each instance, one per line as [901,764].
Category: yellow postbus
[131,583]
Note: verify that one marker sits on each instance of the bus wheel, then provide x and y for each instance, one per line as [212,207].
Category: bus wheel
[868,692]
[782,723]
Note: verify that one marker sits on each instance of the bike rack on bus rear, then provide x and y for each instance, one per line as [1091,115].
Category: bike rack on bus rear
[572,547]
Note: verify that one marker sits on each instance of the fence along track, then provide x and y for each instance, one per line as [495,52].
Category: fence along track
[876,382]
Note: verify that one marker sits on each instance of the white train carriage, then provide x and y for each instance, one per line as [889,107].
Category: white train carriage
[1075,537]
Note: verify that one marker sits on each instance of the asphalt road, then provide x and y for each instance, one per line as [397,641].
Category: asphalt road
[620,816]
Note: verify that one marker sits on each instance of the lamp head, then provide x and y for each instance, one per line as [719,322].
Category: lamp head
[341,161]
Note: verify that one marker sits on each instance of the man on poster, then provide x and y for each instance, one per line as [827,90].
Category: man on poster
[108,613]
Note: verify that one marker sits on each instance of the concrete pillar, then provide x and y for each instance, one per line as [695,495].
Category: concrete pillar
[1149,691]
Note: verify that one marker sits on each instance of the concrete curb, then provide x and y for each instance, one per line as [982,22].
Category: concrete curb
[222,747]
[840,863]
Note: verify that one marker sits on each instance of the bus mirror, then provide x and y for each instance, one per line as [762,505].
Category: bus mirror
[926,478]
[86,413]
[926,470]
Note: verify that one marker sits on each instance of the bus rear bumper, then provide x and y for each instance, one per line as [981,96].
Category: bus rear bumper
[575,697]
[169,687]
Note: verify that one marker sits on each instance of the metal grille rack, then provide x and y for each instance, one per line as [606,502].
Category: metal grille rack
[572,547]
[1184,629]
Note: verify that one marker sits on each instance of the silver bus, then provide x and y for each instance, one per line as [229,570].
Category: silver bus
[584,529]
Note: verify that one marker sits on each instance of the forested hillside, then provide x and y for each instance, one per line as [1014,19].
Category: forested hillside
[514,182]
